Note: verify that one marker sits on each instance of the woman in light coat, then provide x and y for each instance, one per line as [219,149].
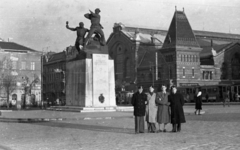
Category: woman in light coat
[151,110]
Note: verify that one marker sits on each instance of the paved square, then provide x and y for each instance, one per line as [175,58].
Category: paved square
[218,128]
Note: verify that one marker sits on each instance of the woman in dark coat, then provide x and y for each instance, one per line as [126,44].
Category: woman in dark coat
[139,101]
[198,101]
[177,115]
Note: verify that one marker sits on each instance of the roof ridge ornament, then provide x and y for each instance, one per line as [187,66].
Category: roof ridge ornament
[136,35]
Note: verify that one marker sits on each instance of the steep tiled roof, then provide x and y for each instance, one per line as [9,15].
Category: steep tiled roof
[180,32]
[14,46]
[207,50]
[145,37]
[216,34]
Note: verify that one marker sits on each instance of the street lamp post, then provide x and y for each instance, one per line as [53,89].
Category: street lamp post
[152,72]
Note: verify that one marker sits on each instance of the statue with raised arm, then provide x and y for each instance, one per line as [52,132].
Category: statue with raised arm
[81,32]
[96,27]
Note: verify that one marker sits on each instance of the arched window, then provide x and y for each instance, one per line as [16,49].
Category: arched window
[14,97]
[119,62]
[127,67]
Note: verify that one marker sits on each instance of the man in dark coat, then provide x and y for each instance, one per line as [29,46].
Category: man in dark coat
[177,115]
[198,101]
[139,101]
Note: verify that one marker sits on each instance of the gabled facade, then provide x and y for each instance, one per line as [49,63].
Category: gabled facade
[129,47]
[26,63]
[180,53]
[179,56]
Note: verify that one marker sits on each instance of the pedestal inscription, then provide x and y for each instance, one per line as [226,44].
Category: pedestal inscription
[100,80]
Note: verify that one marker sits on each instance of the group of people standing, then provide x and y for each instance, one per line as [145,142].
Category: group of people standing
[158,107]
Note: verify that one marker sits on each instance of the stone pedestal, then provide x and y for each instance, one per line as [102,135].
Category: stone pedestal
[90,78]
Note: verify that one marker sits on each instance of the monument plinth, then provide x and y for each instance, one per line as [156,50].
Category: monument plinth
[89,69]
[90,78]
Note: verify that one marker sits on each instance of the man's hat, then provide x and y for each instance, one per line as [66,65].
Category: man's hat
[97,9]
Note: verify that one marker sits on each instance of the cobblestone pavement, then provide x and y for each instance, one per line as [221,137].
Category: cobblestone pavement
[218,128]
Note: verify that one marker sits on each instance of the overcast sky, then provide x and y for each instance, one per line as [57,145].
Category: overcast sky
[39,24]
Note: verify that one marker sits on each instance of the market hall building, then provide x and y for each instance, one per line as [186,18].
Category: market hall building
[180,56]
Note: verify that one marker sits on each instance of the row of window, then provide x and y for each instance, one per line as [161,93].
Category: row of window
[53,87]
[23,65]
[189,58]
[54,77]
[206,75]
[53,68]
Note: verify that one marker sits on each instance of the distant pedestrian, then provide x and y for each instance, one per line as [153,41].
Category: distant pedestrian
[177,114]
[163,114]
[237,98]
[207,97]
[151,110]
[139,101]
[198,101]
[226,99]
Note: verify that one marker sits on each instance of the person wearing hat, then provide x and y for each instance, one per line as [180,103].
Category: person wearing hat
[139,101]
[163,114]
[96,27]
[177,114]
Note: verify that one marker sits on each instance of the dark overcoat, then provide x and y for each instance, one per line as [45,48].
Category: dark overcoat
[138,102]
[163,113]
[176,103]
[198,102]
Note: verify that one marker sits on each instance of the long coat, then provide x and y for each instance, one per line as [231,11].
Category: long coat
[176,103]
[163,113]
[151,108]
[198,102]
[138,102]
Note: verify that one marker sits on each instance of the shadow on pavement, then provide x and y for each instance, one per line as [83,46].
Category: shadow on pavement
[87,127]
[4,148]
[221,117]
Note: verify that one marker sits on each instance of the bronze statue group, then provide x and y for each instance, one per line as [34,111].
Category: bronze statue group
[158,107]
[96,28]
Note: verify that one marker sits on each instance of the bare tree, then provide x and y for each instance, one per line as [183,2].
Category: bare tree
[8,78]
[28,85]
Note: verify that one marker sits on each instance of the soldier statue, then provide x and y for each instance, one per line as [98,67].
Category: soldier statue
[96,27]
[81,32]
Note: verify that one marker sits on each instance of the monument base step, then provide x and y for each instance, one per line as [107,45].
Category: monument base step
[90,109]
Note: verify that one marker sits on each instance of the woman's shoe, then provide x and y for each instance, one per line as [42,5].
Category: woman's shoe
[164,130]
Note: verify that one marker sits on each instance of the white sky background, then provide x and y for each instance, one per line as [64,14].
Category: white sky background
[39,24]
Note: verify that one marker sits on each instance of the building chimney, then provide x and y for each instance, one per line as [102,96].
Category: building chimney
[153,39]
[136,35]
